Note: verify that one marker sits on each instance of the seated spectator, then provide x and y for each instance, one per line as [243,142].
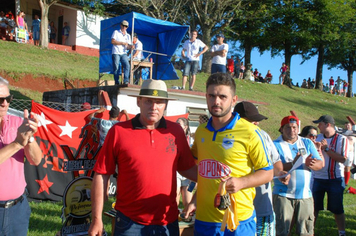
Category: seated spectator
[255,74]
[312,83]
[326,88]
[304,84]
[268,77]
[260,78]
[297,85]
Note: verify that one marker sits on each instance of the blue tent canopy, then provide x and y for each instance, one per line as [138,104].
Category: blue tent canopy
[156,36]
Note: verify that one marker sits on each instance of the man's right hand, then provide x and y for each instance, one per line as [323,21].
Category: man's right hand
[96,228]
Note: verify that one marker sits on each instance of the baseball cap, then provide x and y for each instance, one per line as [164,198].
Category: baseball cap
[220,35]
[249,111]
[325,119]
[289,119]
[125,23]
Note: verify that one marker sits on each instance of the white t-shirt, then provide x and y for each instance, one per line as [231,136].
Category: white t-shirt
[219,59]
[139,46]
[193,48]
[120,37]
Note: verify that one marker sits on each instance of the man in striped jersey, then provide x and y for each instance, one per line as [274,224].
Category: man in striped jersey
[330,179]
[299,156]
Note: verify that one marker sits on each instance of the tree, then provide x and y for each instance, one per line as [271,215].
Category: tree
[248,27]
[341,53]
[289,29]
[93,6]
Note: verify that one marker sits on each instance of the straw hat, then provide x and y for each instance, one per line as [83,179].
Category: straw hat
[153,89]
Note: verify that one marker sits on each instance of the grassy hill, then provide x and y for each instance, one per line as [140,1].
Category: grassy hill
[19,60]
[308,104]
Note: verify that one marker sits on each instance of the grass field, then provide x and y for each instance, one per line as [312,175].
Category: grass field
[280,100]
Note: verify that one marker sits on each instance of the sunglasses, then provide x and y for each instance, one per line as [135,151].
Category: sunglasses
[8,99]
[312,135]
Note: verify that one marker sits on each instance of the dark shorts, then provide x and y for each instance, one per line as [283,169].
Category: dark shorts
[52,36]
[191,67]
[335,191]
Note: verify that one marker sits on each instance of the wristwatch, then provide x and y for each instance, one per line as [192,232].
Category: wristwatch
[31,139]
[326,149]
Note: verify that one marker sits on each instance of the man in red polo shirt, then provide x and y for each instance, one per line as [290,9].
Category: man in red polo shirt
[147,151]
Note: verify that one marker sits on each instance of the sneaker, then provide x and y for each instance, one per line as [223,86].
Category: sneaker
[190,89]
[181,88]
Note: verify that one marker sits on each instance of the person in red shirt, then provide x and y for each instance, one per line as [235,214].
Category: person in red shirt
[331,84]
[283,71]
[268,77]
[146,151]
[231,65]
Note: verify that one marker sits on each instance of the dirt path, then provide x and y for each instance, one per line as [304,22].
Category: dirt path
[44,84]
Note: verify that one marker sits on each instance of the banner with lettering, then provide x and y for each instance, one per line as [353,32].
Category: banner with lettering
[69,149]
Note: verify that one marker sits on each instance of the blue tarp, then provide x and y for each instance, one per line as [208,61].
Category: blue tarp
[156,36]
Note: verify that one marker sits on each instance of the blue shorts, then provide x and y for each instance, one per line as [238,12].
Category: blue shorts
[36,35]
[191,67]
[218,68]
[335,190]
[245,228]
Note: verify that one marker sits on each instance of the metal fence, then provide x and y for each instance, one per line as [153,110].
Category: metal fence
[21,104]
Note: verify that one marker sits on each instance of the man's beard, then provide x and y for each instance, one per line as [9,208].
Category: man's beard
[222,114]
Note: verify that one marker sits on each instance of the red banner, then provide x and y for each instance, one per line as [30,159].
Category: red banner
[65,139]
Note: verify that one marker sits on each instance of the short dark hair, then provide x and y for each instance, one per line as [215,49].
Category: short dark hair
[221,79]
[194,30]
[306,130]
[114,112]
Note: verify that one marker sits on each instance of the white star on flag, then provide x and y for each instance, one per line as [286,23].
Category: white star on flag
[42,121]
[67,129]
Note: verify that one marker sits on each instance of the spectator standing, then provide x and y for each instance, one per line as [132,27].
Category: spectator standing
[20,20]
[137,56]
[331,83]
[330,179]
[150,206]
[266,223]
[283,71]
[219,53]
[345,84]
[36,23]
[236,146]
[293,203]
[182,182]
[121,40]
[191,52]
[237,67]
[65,33]
[338,86]
[350,152]
[242,70]
[53,31]
[16,141]
[231,65]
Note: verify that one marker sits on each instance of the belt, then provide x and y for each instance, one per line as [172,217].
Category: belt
[11,203]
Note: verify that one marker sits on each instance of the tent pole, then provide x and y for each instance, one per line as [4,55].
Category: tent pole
[131,51]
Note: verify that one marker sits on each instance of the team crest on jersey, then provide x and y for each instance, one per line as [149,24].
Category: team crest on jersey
[213,169]
[202,140]
[228,142]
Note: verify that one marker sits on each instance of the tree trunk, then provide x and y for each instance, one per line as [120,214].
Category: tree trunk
[247,63]
[350,78]
[206,62]
[44,6]
[319,68]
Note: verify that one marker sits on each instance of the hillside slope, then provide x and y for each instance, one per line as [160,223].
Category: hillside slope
[26,60]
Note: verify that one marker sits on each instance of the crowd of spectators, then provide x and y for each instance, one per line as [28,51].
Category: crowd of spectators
[7,23]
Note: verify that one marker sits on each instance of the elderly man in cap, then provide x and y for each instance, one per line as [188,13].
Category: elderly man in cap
[147,151]
[330,179]
[293,203]
[263,199]
[219,53]
[120,41]
[16,141]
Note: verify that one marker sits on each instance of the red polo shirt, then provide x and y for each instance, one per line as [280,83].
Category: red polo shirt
[147,162]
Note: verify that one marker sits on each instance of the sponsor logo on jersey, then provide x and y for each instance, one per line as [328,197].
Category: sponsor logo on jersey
[213,169]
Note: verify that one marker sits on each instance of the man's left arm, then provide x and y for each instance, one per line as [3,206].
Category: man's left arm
[203,51]
[191,173]
[32,151]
